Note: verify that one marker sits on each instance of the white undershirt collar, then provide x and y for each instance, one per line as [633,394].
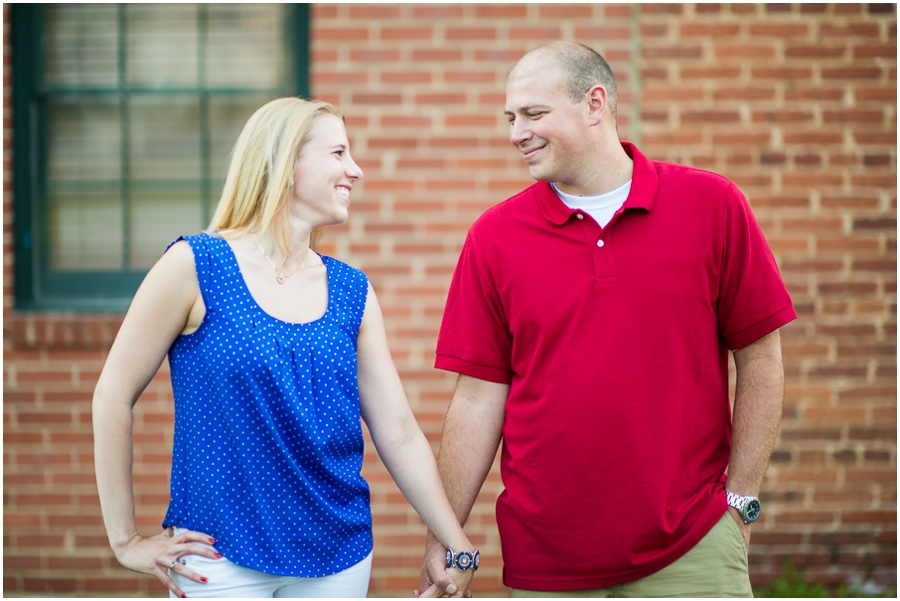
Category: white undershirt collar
[601,207]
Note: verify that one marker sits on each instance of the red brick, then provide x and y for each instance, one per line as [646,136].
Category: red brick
[339,34]
[406,33]
[782,117]
[440,99]
[471,33]
[374,11]
[705,30]
[22,562]
[869,517]
[565,11]
[781,72]
[711,73]
[857,29]
[813,138]
[437,11]
[881,8]
[711,116]
[437,55]
[374,56]
[617,11]
[814,51]
[661,9]
[470,77]
[868,93]
[94,585]
[50,585]
[471,121]
[654,31]
[603,33]
[672,52]
[319,78]
[851,73]
[543,33]
[321,12]
[780,29]
[377,99]
[500,11]
[747,51]
[875,50]
[75,563]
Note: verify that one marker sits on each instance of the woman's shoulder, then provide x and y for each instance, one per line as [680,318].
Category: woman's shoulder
[344,272]
[194,241]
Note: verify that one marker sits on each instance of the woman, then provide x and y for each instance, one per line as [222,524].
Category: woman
[275,352]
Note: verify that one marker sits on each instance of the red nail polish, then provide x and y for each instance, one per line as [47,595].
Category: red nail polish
[184,596]
[212,541]
[218,556]
[203,580]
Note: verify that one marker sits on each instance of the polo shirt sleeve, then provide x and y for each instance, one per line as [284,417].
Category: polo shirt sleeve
[753,300]
[474,339]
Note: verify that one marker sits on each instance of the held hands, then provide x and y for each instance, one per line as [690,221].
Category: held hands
[436,580]
[156,555]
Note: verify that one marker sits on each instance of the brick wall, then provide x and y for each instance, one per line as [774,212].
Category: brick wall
[796,103]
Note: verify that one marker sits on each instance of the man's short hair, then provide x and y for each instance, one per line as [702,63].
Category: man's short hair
[585,68]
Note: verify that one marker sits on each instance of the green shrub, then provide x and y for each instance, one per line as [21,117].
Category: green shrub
[792,584]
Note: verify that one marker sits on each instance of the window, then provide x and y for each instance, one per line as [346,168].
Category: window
[124,115]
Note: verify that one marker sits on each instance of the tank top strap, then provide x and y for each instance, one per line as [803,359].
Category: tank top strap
[205,261]
[349,288]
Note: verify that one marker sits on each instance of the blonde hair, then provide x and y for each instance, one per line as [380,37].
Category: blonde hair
[254,198]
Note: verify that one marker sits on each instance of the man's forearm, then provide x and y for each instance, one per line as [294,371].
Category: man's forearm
[471,434]
[469,441]
[758,405]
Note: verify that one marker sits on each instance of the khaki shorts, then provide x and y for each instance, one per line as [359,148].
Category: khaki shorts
[715,567]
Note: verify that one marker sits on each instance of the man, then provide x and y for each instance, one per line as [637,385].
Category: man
[590,319]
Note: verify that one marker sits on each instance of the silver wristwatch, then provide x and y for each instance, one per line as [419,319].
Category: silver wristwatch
[748,507]
[463,560]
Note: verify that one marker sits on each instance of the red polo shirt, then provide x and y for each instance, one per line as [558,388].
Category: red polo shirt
[615,344]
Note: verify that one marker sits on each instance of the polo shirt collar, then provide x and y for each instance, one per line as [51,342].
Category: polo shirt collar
[644,185]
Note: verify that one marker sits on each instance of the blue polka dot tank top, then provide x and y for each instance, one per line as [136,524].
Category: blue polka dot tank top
[268,442]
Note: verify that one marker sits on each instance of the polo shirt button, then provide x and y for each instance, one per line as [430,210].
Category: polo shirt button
[600,243]
[579,215]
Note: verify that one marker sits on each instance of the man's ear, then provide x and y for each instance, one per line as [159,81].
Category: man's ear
[598,102]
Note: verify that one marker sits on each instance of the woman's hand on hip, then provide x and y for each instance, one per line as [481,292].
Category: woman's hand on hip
[156,555]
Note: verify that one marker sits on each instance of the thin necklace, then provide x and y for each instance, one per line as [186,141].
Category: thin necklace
[280,277]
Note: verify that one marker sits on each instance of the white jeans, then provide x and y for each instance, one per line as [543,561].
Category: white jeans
[226,579]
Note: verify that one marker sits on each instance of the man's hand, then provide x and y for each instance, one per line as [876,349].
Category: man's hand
[744,528]
[435,579]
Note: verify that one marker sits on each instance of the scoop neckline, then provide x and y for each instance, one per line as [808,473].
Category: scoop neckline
[246,288]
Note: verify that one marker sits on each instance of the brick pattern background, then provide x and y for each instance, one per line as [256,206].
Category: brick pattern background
[794,102]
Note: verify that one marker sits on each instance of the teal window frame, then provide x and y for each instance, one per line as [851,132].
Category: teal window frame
[37,287]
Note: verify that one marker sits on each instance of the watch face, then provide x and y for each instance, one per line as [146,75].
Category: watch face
[752,510]
[464,560]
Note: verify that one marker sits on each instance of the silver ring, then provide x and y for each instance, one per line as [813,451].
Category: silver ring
[174,563]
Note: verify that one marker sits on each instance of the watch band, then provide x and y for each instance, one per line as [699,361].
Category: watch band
[748,507]
[463,560]
[735,500]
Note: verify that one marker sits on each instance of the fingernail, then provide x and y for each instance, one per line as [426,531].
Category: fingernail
[184,596]
[212,541]
[451,589]
[203,579]
[218,556]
